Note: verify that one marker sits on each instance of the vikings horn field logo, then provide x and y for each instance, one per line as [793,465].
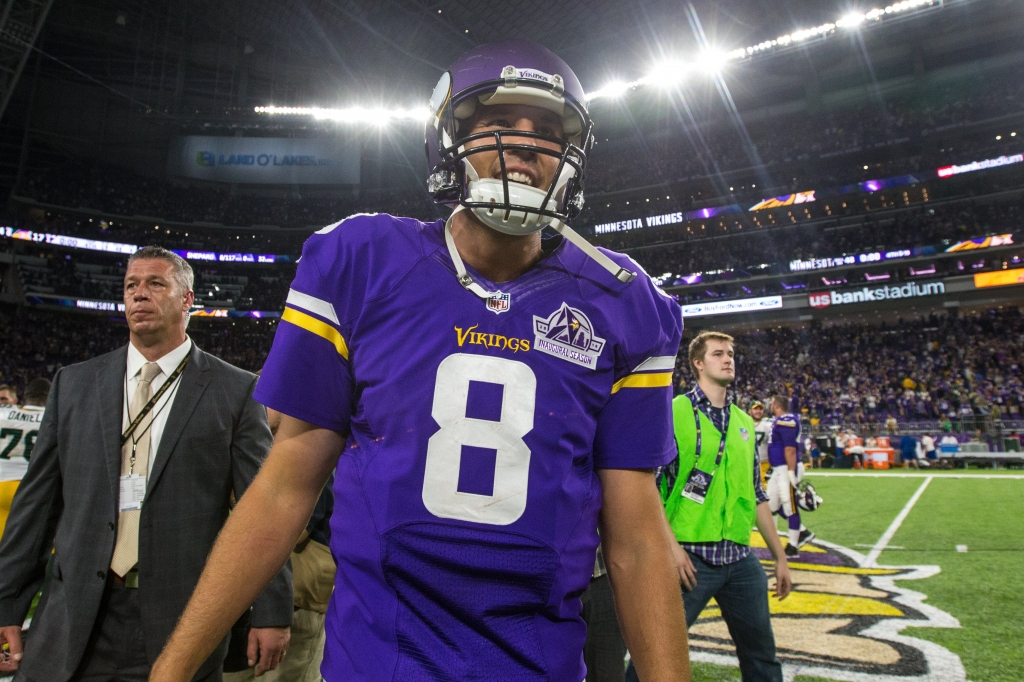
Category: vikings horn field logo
[843,622]
[568,334]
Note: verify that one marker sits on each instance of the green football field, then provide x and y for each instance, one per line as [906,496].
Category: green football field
[961,542]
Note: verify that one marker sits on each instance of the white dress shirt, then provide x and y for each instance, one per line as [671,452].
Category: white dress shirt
[162,409]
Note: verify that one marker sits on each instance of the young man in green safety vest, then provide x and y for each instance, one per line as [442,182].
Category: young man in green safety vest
[713,498]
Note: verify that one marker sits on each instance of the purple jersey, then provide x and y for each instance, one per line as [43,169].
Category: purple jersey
[465,515]
[785,434]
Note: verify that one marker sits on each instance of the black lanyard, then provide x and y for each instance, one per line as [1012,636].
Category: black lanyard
[148,407]
[725,430]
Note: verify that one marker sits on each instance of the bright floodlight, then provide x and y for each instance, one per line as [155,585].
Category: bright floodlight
[613,89]
[663,75]
[851,20]
[379,116]
[712,60]
[667,74]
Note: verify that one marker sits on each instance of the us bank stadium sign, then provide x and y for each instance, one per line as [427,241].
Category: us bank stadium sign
[825,299]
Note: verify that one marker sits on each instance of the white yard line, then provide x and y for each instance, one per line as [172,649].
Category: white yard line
[871,560]
[815,472]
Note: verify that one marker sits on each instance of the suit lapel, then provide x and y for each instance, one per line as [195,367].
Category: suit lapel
[194,380]
[110,400]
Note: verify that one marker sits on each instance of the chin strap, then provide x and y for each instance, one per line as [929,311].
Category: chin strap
[620,273]
[465,279]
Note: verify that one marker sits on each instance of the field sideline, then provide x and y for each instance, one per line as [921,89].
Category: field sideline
[977,583]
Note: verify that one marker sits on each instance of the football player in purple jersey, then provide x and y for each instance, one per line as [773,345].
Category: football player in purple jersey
[489,399]
[786,473]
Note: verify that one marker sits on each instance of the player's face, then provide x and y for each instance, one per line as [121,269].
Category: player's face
[526,167]
[153,300]
[8,398]
[718,364]
[757,413]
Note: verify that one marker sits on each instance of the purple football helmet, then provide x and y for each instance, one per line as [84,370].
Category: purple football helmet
[509,72]
[807,498]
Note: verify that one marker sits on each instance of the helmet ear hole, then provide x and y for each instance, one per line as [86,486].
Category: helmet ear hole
[465,108]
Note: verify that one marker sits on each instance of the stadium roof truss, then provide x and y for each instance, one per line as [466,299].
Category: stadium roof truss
[20,24]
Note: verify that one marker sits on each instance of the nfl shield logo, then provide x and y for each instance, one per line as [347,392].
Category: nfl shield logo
[744,433]
[499,302]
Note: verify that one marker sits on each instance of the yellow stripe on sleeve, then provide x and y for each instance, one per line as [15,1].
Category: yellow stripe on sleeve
[654,380]
[321,329]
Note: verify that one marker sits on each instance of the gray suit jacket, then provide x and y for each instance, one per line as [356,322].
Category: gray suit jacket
[214,442]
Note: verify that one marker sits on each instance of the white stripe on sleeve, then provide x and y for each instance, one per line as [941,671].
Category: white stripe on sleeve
[660,363]
[314,305]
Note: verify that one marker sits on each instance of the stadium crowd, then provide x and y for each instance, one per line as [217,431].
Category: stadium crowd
[917,226]
[924,371]
[84,275]
[927,371]
[736,257]
[38,342]
[121,192]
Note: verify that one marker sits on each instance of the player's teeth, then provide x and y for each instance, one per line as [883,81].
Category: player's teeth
[520,177]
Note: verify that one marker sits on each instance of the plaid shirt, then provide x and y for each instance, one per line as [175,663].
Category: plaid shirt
[722,552]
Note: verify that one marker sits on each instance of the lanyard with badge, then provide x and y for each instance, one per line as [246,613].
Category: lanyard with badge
[698,482]
[133,486]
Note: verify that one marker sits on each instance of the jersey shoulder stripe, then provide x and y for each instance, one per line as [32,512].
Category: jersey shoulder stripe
[324,309]
[658,363]
[650,380]
[315,326]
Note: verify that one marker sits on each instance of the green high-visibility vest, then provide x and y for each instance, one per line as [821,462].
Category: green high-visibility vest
[729,508]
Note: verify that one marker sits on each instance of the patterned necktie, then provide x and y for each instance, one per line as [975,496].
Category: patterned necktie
[126,549]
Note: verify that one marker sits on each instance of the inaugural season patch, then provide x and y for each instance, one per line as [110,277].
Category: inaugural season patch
[842,621]
[568,334]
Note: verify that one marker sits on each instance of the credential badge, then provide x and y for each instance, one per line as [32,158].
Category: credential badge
[499,303]
[568,334]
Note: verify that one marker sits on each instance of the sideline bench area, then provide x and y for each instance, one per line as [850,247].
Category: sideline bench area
[997,460]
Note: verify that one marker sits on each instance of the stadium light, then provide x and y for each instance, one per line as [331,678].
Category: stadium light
[852,20]
[613,89]
[711,61]
[379,115]
[665,74]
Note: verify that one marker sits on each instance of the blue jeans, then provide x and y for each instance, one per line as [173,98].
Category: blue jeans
[741,590]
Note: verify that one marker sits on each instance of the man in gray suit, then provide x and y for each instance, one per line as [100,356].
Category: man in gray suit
[130,481]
